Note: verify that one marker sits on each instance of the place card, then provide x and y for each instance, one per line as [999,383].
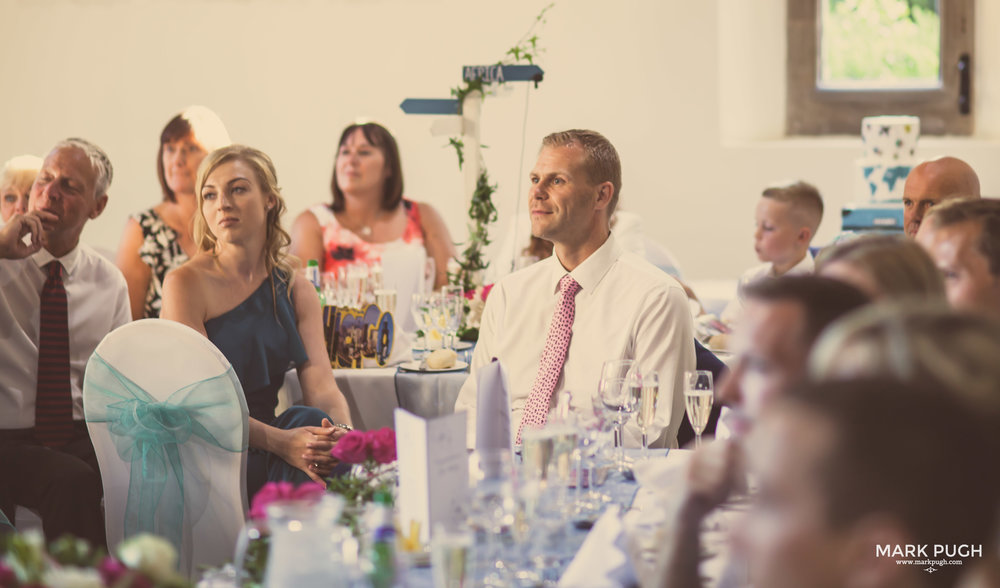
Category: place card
[433,470]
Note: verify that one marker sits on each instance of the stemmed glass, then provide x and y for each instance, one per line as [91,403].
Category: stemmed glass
[644,386]
[492,508]
[616,398]
[698,398]
[453,305]
[418,308]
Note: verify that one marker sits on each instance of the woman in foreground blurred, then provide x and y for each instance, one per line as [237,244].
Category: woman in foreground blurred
[239,290]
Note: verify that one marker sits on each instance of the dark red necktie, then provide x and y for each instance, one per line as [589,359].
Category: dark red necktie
[53,401]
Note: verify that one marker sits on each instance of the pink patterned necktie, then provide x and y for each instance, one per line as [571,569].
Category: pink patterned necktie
[536,410]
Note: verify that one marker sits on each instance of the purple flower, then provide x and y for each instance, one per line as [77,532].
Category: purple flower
[383,445]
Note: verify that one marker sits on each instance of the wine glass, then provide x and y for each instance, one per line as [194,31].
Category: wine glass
[644,387]
[615,397]
[698,398]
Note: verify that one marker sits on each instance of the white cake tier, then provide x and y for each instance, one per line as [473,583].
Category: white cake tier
[877,182]
[889,140]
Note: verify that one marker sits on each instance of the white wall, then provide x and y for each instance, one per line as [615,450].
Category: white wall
[691,93]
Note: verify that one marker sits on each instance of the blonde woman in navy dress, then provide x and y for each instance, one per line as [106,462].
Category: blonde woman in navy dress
[240,291]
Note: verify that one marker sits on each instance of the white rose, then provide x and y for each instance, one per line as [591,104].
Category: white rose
[149,554]
[475,315]
[70,577]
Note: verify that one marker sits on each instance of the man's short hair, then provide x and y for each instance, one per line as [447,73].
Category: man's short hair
[823,300]
[600,158]
[99,161]
[804,200]
[909,451]
[985,211]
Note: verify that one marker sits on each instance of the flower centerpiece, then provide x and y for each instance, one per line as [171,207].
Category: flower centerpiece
[372,453]
[141,561]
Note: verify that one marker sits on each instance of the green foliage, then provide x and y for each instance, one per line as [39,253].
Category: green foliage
[459,146]
[482,212]
[525,51]
[893,42]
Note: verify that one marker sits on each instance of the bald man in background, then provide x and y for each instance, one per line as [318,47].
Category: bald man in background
[932,182]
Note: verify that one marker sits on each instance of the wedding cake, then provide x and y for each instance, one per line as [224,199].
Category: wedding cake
[889,147]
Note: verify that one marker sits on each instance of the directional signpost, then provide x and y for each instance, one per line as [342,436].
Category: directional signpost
[469,110]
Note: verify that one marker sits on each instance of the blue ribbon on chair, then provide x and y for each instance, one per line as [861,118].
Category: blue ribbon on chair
[149,433]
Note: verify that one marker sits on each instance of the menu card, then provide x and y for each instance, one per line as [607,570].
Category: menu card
[433,470]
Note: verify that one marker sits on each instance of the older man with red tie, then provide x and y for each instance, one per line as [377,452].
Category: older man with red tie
[58,299]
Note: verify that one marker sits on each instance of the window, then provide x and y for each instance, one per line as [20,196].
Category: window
[848,59]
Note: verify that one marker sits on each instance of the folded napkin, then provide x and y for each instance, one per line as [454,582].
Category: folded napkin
[663,474]
[493,408]
[601,561]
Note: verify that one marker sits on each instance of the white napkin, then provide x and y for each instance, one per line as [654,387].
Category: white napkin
[601,561]
[667,473]
[493,408]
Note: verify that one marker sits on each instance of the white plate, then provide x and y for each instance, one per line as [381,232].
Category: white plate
[414,366]
[460,346]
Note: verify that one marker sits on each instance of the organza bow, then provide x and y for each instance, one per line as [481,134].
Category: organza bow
[149,434]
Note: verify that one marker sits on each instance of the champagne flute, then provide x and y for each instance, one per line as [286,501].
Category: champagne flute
[644,388]
[698,398]
[615,398]
[453,299]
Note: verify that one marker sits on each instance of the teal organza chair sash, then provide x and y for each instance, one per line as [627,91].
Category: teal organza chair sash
[150,433]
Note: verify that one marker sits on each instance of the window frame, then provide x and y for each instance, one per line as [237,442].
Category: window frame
[814,111]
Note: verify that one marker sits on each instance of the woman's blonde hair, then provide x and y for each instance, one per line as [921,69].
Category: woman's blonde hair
[915,342]
[277,239]
[897,265]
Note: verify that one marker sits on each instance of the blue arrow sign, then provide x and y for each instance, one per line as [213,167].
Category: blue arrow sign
[497,73]
[431,106]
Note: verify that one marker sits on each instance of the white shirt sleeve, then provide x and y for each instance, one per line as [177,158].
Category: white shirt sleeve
[664,341]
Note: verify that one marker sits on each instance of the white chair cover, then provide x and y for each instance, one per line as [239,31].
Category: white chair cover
[169,424]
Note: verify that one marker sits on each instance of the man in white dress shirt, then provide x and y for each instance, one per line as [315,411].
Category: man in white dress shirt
[624,307]
[56,475]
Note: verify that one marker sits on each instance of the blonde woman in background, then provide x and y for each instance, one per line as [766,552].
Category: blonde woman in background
[158,239]
[16,178]
[884,267]
[240,291]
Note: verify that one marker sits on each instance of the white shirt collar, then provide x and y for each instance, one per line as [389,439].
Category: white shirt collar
[68,261]
[590,272]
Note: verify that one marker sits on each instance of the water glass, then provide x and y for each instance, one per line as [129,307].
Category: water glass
[616,399]
[451,557]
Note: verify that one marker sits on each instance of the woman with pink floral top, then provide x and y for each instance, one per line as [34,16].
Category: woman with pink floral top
[368,212]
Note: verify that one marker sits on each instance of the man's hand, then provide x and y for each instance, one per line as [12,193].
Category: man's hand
[12,234]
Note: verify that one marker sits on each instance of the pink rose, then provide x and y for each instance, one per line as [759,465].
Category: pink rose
[486,291]
[273,491]
[351,448]
[114,573]
[7,576]
[383,444]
